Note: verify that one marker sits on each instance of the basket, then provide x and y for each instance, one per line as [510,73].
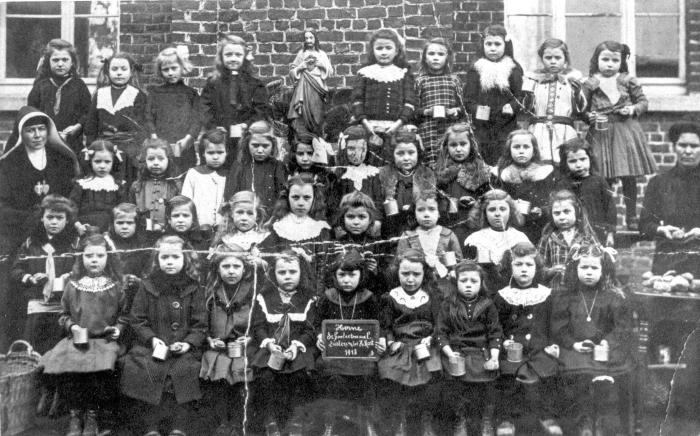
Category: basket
[19,388]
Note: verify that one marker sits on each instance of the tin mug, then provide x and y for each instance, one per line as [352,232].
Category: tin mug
[457,365]
[160,352]
[391,207]
[236,131]
[235,349]
[483,255]
[483,113]
[80,336]
[276,360]
[600,353]
[58,284]
[450,259]
[523,206]
[664,352]
[438,111]
[514,352]
[454,205]
[421,352]
[601,122]
[528,85]
[175,147]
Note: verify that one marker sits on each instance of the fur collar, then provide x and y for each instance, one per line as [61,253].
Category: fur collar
[531,173]
[525,297]
[494,75]
[378,73]
[296,229]
[107,184]
[423,179]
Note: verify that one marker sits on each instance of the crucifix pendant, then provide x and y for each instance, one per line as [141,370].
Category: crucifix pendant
[588,319]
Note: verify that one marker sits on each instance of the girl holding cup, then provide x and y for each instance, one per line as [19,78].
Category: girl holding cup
[524,310]
[93,319]
[229,297]
[283,334]
[493,86]
[462,174]
[469,335]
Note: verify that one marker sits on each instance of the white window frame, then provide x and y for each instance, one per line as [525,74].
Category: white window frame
[14,91]
[654,86]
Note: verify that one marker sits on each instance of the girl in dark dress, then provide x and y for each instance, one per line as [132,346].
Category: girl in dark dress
[524,310]
[100,191]
[60,93]
[492,90]
[349,380]
[282,319]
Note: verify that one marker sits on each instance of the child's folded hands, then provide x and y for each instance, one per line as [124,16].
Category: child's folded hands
[112,332]
[552,350]
[216,343]
[395,347]
[319,342]
[584,346]
[491,364]
[179,347]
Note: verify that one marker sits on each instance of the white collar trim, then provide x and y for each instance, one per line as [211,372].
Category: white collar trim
[418,299]
[357,174]
[494,74]
[387,74]
[99,184]
[299,229]
[525,297]
[126,99]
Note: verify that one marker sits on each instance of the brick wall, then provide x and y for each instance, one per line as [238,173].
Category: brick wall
[275,29]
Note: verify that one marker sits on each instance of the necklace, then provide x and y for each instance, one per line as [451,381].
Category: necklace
[354,304]
[227,300]
[588,312]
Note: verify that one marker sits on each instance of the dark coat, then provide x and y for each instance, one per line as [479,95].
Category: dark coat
[216,107]
[596,196]
[269,177]
[674,199]
[74,107]
[172,312]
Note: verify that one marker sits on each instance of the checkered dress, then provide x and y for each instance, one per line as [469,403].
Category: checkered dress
[436,90]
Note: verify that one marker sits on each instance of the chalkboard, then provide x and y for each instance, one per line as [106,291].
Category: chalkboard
[350,339]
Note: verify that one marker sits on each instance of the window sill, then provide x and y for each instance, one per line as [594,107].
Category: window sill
[671,98]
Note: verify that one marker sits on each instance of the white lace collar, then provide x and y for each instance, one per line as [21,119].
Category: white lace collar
[418,299]
[93,284]
[126,99]
[525,297]
[296,229]
[357,174]
[390,73]
[494,74]
[244,240]
[99,184]
[531,173]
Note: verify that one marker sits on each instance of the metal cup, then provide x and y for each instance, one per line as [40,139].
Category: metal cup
[600,353]
[421,352]
[483,113]
[454,205]
[235,349]
[160,352]
[276,360]
[523,206]
[664,352]
[391,207]
[58,284]
[236,131]
[450,259]
[457,366]
[438,111]
[175,147]
[514,352]
[80,336]
[528,85]
[601,122]
[382,342]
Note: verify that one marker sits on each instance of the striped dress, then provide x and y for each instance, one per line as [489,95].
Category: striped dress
[436,90]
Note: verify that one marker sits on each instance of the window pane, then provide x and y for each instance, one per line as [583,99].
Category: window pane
[34,8]
[95,39]
[657,51]
[583,34]
[97,7]
[528,7]
[666,6]
[26,38]
[593,6]
[527,34]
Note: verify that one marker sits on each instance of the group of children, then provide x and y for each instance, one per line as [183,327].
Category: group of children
[471,241]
